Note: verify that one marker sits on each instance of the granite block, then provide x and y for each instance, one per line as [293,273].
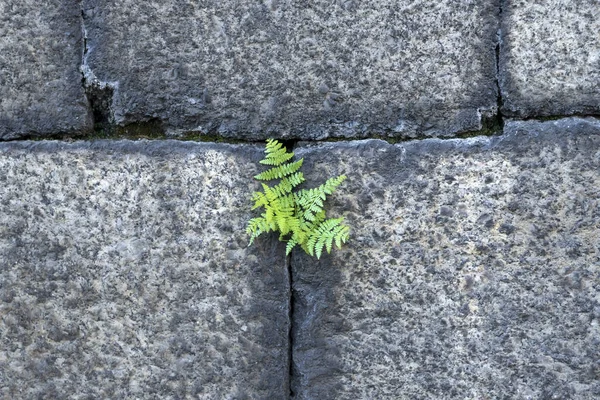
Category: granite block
[41,45]
[301,69]
[125,273]
[472,272]
[550,58]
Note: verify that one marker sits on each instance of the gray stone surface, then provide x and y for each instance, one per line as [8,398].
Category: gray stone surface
[40,83]
[125,274]
[473,271]
[308,69]
[550,58]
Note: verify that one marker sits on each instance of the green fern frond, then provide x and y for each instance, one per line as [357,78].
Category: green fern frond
[299,216]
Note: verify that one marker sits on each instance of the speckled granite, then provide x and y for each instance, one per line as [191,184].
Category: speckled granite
[40,83]
[124,274]
[309,69]
[550,57]
[473,271]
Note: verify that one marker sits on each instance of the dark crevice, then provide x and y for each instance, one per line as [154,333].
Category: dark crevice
[499,120]
[100,100]
[153,129]
[492,122]
[99,94]
[84,36]
[289,144]
[291,326]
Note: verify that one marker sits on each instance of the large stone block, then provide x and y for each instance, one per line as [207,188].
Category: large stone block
[473,270]
[41,46]
[125,273]
[296,69]
[550,57]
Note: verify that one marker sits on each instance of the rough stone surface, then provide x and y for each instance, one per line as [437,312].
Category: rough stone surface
[40,54]
[550,57]
[125,273]
[296,69]
[473,271]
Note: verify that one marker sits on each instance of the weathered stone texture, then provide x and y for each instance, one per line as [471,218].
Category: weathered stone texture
[550,57]
[40,54]
[473,270]
[125,274]
[296,69]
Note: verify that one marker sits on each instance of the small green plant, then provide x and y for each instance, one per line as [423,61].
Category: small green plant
[297,215]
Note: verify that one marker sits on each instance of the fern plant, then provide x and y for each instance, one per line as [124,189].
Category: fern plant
[297,215]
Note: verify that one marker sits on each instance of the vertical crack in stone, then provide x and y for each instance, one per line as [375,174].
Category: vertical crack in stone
[492,120]
[291,325]
[84,51]
[99,94]
[290,146]
[499,100]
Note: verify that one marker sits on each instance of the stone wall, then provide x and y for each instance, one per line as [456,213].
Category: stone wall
[470,135]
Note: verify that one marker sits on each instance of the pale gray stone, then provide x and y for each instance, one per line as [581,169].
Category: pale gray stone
[473,270]
[125,273]
[550,58]
[309,69]
[41,46]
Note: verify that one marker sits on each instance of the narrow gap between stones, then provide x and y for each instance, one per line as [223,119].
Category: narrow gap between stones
[499,118]
[290,145]
[99,95]
[492,124]
[499,99]
[153,129]
[292,301]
